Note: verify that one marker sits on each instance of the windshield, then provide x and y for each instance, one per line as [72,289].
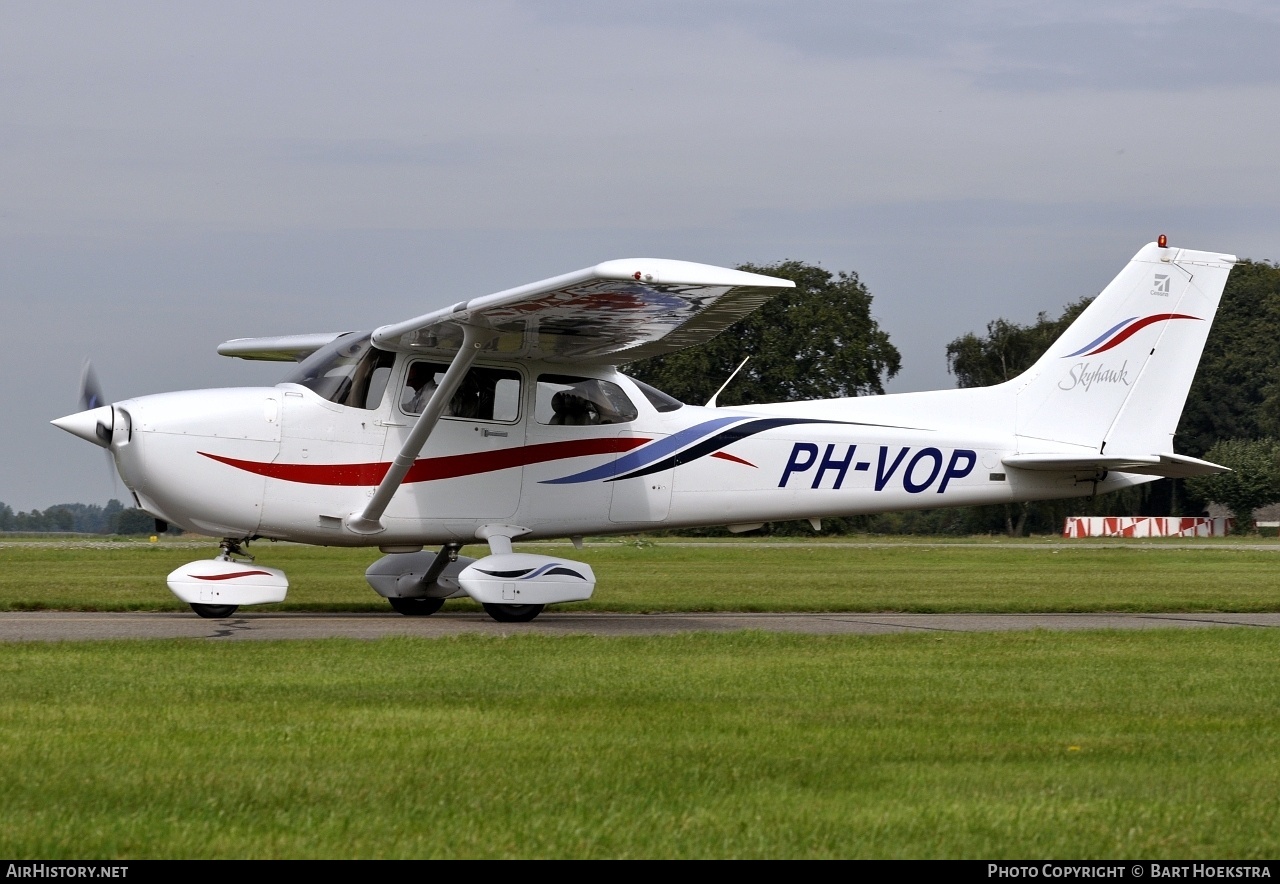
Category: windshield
[349,371]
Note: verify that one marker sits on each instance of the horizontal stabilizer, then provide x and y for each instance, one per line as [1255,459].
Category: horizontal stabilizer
[1170,466]
[281,348]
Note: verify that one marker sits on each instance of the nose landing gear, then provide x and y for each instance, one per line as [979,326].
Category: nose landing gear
[215,588]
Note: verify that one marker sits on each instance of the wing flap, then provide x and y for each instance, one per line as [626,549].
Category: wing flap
[281,348]
[618,311]
[1171,466]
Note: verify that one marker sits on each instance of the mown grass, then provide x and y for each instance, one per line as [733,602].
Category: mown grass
[664,576]
[1160,744]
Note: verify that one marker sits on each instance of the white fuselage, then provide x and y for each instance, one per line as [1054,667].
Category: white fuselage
[285,463]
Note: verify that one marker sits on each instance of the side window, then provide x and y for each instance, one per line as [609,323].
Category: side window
[486,394]
[568,400]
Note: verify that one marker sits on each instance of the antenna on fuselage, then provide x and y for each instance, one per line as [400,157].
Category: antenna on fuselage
[711,403]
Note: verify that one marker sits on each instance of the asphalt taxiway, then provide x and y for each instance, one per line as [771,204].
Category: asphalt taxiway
[51,626]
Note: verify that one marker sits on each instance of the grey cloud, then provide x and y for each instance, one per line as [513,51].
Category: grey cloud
[382,151]
[1193,49]
[1104,45]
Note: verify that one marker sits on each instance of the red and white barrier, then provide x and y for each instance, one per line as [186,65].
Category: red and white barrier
[1145,526]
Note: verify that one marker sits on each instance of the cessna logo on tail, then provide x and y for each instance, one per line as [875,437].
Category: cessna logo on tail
[1161,286]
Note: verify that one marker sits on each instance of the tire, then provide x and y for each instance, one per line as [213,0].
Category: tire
[416,607]
[513,613]
[214,612]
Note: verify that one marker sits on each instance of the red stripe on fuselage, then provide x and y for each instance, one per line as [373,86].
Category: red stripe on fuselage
[429,468]
[724,455]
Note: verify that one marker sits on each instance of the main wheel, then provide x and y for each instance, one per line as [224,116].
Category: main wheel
[214,612]
[513,613]
[416,607]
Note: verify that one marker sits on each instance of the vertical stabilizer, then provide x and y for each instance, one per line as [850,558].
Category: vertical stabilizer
[1117,379]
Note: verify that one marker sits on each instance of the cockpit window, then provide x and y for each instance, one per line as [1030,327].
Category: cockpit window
[569,400]
[348,371]
[658,399]
[486,394]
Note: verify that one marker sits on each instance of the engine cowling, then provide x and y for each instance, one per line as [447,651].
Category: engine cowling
[527,579]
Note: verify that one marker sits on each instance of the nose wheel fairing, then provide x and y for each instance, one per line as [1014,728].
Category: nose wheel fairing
[226,582]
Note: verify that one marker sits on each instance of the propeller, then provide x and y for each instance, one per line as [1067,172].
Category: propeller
[95,421]
[91,397]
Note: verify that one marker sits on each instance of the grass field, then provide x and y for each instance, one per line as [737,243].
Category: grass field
[1159,744]
[666,576]
[1041,745]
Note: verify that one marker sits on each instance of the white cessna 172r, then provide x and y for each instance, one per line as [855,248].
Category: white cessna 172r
[505,417]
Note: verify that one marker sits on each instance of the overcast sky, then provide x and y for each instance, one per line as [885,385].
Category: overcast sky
[173,175]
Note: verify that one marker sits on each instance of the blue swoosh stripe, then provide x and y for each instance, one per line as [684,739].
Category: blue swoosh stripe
[722,440]
[644,456]
[1102,337]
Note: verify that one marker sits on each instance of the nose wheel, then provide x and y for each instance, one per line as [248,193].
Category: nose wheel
[214,612]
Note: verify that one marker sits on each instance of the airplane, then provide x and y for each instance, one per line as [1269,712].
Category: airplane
[506,418]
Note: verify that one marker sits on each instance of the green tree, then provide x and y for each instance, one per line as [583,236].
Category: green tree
[816,341]
[59,518]
[1008,349]
[132,521]
[1236,392]
[1253,482]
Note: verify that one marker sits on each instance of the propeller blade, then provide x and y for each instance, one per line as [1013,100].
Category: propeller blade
[91,395]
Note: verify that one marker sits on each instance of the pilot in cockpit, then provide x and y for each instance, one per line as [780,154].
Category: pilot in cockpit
[419,386]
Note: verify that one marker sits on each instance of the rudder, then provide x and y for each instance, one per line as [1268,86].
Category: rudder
[1118,378]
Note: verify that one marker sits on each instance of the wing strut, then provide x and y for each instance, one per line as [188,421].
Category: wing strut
[370,520]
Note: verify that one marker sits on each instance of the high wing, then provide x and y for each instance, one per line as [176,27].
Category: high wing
[618,311]
[615,312]
[1170,466]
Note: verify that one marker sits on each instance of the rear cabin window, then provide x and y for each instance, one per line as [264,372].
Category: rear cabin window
[568,400]
[349,371]
[662,402]
[486,394]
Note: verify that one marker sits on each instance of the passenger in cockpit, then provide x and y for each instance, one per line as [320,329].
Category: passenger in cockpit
[572,410]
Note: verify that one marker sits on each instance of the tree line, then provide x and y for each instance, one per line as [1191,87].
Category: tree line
[79,518]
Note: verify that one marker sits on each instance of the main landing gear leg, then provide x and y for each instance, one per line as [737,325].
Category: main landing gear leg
[499,538]
[422,607]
